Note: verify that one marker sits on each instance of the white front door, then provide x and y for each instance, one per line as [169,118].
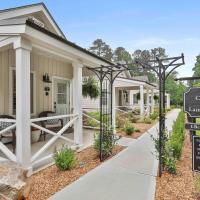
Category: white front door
[61,96]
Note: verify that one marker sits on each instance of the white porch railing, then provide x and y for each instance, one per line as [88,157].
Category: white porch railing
[10,155]
[72,117]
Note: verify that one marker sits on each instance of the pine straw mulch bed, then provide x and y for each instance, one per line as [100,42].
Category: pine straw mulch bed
[182,185]
[50,180]
[140,126]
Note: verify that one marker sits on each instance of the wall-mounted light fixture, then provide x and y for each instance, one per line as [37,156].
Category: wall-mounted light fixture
[47,81]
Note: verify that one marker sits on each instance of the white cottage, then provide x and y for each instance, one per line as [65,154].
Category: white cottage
[41,86]
[40,75]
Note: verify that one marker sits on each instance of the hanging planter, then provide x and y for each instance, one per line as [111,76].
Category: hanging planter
[90,88]
[155,97]
[138,96]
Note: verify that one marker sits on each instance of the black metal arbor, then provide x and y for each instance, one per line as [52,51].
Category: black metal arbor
[107,75]
[162,67]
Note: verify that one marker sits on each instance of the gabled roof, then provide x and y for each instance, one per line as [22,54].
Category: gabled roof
[38,9]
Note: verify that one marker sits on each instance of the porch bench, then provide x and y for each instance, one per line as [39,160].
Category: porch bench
[9,136]
[53,125]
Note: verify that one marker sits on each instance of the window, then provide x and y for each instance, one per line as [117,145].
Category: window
[13,92]
[62,93]
[104,97]
[126,96]
[135,100]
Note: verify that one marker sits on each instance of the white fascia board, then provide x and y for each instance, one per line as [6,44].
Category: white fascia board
[77,54]
[12,29]
[137,83]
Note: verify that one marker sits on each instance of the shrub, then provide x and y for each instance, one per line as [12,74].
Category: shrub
[172,146]
[170,165]
[65,159]
[92,122]
[108,143]
[137,130]
[132,117]
[129,128]
[154,116]
[147,120]
[178,135]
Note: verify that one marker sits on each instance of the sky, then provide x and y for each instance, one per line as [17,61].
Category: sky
[141,24]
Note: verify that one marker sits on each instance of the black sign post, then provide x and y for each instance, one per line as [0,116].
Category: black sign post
[196,153]
[192,102]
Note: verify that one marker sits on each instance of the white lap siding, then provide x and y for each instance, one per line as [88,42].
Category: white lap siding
[40,65]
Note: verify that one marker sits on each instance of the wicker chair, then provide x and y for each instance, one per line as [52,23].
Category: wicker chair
[10,134]
[54,125]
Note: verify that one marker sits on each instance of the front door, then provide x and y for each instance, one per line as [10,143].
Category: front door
[61,96]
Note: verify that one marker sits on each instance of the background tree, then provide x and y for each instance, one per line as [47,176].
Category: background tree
[175,89]
[120,54]
[196,72]
[146,56]
[100,48]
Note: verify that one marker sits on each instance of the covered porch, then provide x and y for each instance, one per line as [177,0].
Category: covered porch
[40,97]
[134,95]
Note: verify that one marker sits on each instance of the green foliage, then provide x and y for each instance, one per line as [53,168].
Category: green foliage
[108,143]
[132,117]
[196,71]
[197,183]
[90,88]
[120,54]
[138,96]
[175,89]
[155,97]
[129,128]
[91,122]
[154,115]
[65,159]
[172,146]
[100,48]
[198,122]
[147,120]
[170,164]
[145,56]
[178,135]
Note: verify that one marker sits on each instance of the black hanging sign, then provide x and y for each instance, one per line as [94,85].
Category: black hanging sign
[192,126]
[196,153]
[192,102]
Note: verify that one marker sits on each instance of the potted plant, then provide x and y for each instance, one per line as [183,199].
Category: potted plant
[90,88]
[155,97]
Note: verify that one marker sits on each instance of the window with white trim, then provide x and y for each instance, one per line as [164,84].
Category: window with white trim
[126,96]
[13,92]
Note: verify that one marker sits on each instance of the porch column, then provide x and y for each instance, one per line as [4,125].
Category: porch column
[23,143]
[141,101]
[77,102]
[148,104]
[152,101]
[131,97]
[168,101]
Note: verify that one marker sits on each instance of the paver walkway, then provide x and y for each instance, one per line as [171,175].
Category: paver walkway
[130,175]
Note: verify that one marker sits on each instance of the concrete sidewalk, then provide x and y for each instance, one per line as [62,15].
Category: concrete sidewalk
[130,175]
